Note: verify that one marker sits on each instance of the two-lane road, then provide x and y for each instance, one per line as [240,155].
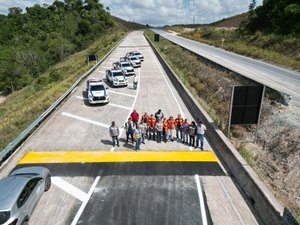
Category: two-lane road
[278,78]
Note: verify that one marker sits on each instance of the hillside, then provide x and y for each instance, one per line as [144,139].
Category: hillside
[36,69]
[275,156]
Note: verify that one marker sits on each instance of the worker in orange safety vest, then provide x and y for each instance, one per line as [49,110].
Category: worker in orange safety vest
[171,127]
[165,130]
[151,127]
[178,125]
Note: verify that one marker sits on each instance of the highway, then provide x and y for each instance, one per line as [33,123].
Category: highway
[278,78]
[94,183]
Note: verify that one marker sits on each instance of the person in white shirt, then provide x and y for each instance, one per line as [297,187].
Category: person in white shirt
[201,129]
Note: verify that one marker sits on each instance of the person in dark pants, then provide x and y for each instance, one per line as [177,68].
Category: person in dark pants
[129,127]
[192,133]
[114,133]
[159,129]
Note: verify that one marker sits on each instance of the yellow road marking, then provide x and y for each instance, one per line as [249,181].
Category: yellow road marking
[121,156]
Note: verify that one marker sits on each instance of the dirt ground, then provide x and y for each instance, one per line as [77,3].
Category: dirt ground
[276,154]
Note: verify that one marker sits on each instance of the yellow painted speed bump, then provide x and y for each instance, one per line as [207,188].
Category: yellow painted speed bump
[121,156]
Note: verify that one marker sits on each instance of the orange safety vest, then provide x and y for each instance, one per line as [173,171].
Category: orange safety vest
[178,121]
[165,126]
[145,119]
[171,124]
[151,122]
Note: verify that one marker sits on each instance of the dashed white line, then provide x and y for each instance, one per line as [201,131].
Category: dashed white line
[201,200]
[111,104]
[83,205]
[119,106]
[69,188]
[85,120]
[119,93]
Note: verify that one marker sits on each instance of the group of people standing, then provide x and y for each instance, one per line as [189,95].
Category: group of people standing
[159,128]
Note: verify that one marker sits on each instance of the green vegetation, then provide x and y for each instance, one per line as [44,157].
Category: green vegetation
[279,49]
[270,32]
[32,42]
[40,57]
[211,87]
[23,106]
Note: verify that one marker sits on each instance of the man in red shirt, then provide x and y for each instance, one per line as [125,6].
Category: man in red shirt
[135,117]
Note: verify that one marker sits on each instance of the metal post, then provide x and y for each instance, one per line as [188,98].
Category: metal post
[259,114]
[230,112]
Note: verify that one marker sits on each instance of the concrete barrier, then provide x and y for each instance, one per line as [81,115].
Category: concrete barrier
[262,200]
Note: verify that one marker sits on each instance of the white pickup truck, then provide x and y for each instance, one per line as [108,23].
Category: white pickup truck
[116,77]
[97,92]
[134,61]
[125,67]
[137,54]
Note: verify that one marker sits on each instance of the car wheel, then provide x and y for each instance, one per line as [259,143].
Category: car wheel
[25,222]
[47,183]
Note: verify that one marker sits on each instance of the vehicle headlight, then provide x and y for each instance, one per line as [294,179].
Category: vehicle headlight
[4,216]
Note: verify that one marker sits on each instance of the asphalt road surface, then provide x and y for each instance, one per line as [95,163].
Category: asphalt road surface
[278,78]
[91,189]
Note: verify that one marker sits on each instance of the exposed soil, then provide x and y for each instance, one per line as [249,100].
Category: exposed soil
[2,98]
[276,154]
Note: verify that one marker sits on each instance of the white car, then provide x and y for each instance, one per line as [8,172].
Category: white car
[126,68]
[116,77]
[137,54]
[97,92]
[134,61]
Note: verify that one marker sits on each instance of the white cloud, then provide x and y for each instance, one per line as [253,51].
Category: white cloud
[5,4]
[158,12]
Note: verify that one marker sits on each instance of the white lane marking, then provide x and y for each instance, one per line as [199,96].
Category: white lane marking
[119,93]
[85,120]
[133,104]
[191,148]
[69,188]
[83,205]
[201,200]
[242,222]
[119,106]
[159,66]
[111,104]
[82,98]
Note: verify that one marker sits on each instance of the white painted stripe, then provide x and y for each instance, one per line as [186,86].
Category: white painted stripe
[159,66]
[111,104]
[201,200]
[82,98]
[83,205]
[119,93]
[119,106]
[238,214]
[85,120]
[69,188]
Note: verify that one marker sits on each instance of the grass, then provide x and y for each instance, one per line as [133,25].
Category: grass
[23,106]
[278,49]
[210,86]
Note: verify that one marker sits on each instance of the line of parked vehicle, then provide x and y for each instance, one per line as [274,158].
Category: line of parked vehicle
[115,77]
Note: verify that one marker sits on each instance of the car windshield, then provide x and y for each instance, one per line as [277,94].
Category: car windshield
[97,88]
[133,58]
[4,216]
[137,53]
[117,74]
[125,64]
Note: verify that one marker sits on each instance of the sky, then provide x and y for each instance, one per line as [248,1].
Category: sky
[159,12]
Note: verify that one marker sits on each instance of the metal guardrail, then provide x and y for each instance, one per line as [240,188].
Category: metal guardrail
[13,145]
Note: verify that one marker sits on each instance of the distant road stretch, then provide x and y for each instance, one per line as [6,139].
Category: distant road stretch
[275,77]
